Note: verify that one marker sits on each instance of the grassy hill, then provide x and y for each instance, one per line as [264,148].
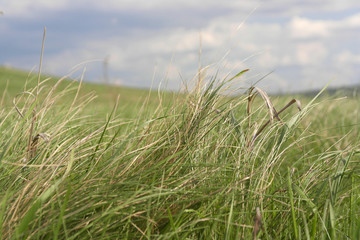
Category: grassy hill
[198,165]
[14,82]
[348,91]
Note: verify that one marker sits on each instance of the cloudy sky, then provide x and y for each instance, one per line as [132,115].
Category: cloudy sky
[303,44]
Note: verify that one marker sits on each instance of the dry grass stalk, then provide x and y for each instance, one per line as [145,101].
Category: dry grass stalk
[272,111]
[257,223]
[34,143]
[15,104]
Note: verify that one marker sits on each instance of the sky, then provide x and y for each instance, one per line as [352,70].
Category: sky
[292,45]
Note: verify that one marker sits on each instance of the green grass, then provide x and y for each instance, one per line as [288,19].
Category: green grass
[163,165]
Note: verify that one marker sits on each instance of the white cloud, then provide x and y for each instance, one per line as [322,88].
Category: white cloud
[303,28]
[110,5]
[269,46]
[23,8]
[26,8]
[350,22]
[346,57]
[313,53]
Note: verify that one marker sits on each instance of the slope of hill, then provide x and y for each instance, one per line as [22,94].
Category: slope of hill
[15,81]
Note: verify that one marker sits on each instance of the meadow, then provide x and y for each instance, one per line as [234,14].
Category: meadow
[87,161]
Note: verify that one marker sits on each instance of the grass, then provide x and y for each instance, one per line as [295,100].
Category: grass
[197,165]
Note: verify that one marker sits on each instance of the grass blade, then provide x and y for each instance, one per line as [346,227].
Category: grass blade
[291,198]
[31,213]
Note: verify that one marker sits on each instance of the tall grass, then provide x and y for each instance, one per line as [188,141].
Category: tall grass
[201,165]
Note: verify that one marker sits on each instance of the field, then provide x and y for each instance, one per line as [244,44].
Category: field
[87,161]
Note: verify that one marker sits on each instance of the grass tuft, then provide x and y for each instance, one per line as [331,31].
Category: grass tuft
[201,164]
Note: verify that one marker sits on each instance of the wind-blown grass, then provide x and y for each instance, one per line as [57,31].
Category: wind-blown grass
[199,165]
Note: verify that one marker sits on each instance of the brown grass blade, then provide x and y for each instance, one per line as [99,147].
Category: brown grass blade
[257,223]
